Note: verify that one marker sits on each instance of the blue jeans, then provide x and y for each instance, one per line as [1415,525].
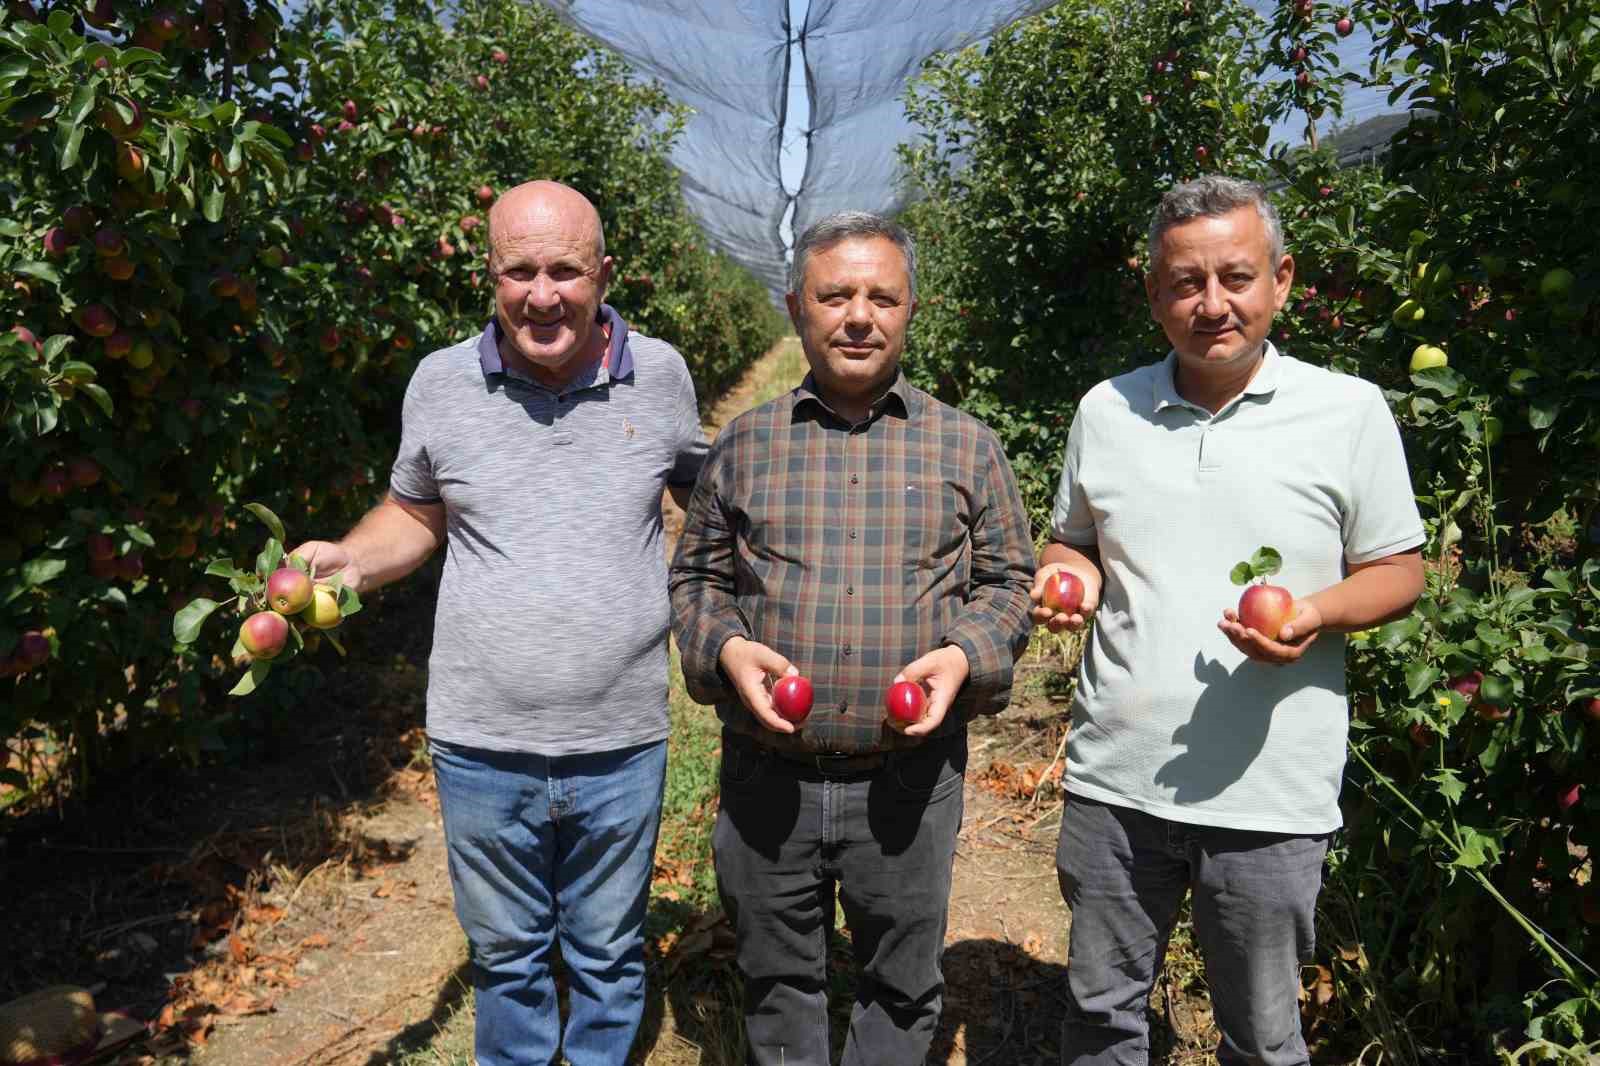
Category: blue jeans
[1124,873]
[546,850]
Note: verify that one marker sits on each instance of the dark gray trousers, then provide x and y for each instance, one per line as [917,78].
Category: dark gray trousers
[788,842]
[1124,873]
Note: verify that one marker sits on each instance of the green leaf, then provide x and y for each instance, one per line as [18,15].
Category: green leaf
[222,568]
[138,535]
[273,523]
[82,104]
[1543,411]
[1451,787]
[1420,676]
[1241,574]
[130,56]
[100,396]
[42,271]
[331,639]
[44,569]
[187,622]
[1266,561]
[56,345]
[254,676]
[1440,379]
[212,204]
[349,602]
[69,138]
[269,558]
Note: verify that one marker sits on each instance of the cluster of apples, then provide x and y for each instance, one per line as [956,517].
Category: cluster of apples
[291,594]
[792,697]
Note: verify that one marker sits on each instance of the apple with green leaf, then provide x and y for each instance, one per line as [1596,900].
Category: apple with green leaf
[1262,607]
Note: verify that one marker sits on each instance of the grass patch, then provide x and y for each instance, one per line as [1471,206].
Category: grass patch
[788,370]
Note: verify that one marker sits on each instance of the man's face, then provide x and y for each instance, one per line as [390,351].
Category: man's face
[1215,289]
[549,281]
[851,313]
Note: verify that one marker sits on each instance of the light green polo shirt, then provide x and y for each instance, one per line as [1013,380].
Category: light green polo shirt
[1169,717]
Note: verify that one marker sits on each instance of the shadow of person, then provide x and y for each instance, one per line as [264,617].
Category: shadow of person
[1228,728]
[1001,1006]
[453,991]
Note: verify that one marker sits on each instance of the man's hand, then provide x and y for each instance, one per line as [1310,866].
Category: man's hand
[1297,634]
[1054,621]
[942,672]
[326,558]
[750,667]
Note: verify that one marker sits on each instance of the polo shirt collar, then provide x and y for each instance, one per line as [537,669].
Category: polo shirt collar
[1165,387]
[900,394]
[617,364]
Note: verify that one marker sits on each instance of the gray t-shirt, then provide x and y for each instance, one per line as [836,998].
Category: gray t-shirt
[551,630]
[1170,718]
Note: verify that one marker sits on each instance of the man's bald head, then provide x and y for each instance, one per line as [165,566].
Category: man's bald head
[538,204]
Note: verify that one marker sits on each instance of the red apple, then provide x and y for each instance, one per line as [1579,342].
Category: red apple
[1201,153]
[1344,27]
[1265,608]
[906,702]
[101,548]
[57,242]
[349,110]
[1420,734]
[130,567]
[289,590]
[117,126]
[130,162]
[118,268]
[329,340]
[1491,713]
[791,698]
[1467,685]
[264,634]
[96,320]
[1568,797]
[1063,592]
[83,471]
[26,336]
[33,649]
[485,195]
[55,483]
[499,56]
[1591,708]
[470,223]
[481,81]
[78,219]
[319,132]
[224,284]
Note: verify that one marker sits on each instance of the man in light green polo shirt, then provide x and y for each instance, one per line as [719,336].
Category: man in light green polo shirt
[1206,756]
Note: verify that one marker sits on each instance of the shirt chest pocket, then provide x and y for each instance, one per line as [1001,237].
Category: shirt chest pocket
[925,522]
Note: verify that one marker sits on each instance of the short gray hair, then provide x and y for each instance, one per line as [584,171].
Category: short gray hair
[1213,196]
[850,225]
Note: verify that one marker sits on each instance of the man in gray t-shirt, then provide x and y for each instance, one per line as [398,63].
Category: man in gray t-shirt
[1206,756]
[538,452]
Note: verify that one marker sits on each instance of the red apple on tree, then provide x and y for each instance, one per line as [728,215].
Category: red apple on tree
[485,195]
[289,590]
[1344,27]
[791,698]
[57,242]
[264,635]
[906,702]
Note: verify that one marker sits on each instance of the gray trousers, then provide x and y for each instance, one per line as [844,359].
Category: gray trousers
[788,843]
[1124,873]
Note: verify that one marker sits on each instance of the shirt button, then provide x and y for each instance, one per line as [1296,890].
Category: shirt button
[842,706]
[853,479]
[852,534]
[847,649]
[849,590]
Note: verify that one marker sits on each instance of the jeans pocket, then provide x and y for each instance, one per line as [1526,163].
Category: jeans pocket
[931,771]
[743,764]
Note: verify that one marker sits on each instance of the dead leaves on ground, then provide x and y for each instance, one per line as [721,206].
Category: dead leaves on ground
[1014,781]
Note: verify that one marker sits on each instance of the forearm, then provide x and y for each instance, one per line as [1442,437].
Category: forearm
[1377,592]
[1078,558]
[392,540]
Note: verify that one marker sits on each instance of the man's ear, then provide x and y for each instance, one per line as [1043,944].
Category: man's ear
[792,299]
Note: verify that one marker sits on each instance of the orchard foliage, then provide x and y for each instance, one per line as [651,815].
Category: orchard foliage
[230,239]
[1462,894]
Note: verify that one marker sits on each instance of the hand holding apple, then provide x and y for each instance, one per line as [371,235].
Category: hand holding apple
[1064,597]
[1269,625]
[937,676]
[749,666]
[792,698]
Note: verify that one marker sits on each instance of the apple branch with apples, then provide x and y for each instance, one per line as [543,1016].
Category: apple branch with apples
[286,612]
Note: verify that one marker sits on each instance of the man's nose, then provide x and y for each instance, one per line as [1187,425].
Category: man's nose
[542,291]
[858,313]
[1213,301]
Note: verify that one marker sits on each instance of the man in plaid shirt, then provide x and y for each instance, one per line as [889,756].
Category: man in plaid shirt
[858,532]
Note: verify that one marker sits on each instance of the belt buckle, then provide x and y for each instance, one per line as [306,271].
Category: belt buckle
[832,762]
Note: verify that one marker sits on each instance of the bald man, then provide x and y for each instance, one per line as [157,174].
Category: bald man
[538,450]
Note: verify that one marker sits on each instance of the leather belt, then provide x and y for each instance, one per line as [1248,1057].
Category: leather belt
[836,764]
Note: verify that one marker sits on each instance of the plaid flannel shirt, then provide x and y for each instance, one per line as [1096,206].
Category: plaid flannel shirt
[853,550]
